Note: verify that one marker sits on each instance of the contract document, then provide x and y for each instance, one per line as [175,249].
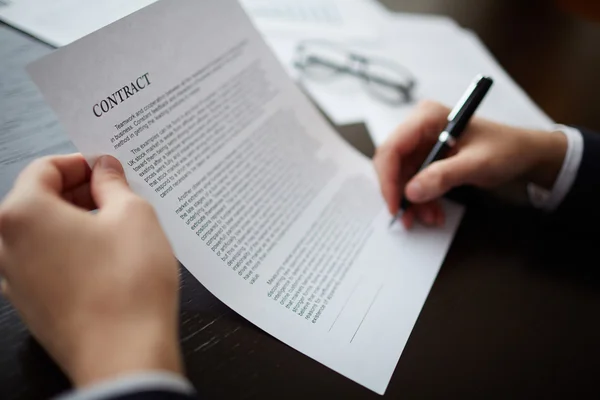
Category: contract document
[262,201]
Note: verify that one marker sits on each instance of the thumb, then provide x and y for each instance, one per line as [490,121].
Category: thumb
[108,181]
[441,176]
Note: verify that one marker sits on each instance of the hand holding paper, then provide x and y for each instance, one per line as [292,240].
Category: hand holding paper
[102,306]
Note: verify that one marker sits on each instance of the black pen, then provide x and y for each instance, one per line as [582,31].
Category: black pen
[457,122]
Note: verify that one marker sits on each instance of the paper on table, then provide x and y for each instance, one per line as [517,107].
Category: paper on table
[443,59]
[344,98]
[265,205]
[341,18]
[462,58]
[60,22]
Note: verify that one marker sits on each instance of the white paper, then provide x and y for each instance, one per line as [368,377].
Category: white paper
[262,201]
[346,18]
[463,57]
[443,59]
[343,99]
[60,22]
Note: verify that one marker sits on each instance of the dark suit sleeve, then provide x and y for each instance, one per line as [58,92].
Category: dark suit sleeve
[151,385]
[583,200]
[153,395]
[567,239]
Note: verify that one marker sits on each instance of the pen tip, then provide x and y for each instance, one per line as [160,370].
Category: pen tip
[396,217]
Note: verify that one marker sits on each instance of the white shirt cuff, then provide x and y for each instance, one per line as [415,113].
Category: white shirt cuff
[139,382]
[550,200]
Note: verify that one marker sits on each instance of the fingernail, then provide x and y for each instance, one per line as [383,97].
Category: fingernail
[109,163]
[415,191]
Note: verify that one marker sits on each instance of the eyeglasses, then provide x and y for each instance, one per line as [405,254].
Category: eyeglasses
[385,80]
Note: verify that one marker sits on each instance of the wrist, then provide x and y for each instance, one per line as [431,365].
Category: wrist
[548,154]
[106,356]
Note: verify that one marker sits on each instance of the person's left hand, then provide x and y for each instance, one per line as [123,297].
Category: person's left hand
[99,291]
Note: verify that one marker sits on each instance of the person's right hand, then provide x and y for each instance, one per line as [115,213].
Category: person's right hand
[486,155]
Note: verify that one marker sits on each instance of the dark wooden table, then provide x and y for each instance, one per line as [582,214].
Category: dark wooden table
[513,313]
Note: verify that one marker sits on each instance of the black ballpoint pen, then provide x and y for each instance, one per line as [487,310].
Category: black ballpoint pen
[457,122]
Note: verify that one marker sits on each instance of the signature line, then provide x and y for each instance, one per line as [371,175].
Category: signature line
[369,309]
[346,303]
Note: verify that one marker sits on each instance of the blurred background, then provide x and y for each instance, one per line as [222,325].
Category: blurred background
[550,47]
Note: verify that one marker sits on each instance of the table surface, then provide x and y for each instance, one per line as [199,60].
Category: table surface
[512,314]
